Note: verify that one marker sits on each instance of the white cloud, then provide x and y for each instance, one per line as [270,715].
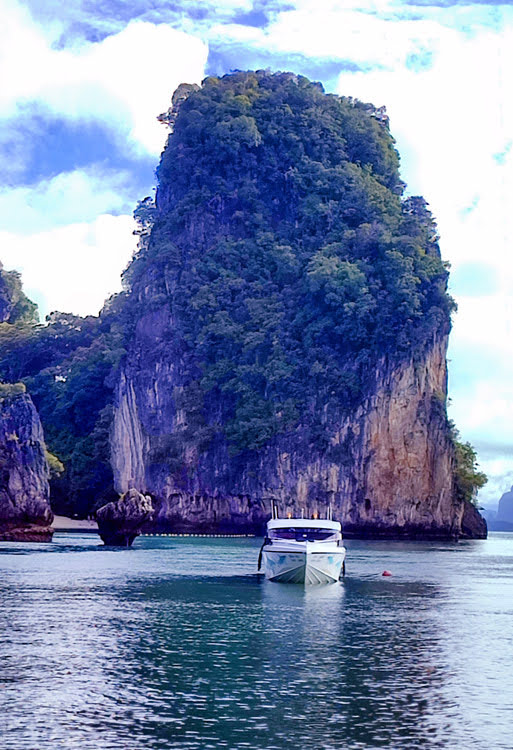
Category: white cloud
[230,5]
[60,233]
[487,411]
[72,268]
[126,80]
[472,325]
[500,477]
[455,117]
[336,31]
[78,196]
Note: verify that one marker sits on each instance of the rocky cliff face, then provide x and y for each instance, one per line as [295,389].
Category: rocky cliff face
[290,324]
[25,513]
[387,469]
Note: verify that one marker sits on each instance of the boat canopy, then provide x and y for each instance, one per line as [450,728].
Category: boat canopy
[303,523]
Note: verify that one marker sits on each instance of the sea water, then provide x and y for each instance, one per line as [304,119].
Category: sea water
[178,643]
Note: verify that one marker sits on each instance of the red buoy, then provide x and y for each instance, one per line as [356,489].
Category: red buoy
[386,573]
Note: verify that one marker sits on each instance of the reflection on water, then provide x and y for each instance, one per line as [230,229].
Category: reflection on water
[176,643]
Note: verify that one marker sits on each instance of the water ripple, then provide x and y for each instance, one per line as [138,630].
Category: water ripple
[178,644]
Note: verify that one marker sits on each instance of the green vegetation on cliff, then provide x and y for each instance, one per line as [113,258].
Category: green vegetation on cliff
[294,263]
[68,368]
[468,478]
[15,306]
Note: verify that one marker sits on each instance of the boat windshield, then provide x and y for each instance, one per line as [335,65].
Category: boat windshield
[305,535]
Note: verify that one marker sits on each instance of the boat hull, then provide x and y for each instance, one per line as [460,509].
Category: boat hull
[303,567]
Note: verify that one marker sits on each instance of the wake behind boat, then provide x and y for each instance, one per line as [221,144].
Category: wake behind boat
[302,550]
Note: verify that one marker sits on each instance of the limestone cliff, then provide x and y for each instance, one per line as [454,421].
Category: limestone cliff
[388,468]
[290,323]
[25,513]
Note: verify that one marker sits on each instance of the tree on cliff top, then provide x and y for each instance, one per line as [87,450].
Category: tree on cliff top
[290,261]
[15,306]
[468,477]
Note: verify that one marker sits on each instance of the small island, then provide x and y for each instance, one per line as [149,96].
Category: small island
[282,335]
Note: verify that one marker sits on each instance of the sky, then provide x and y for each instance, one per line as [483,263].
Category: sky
[82,82]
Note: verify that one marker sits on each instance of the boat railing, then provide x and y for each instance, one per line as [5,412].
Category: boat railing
[275,515]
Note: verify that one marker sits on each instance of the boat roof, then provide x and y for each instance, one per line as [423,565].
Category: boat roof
[303,523]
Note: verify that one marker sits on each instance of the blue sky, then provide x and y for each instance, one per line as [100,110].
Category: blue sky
[83,81]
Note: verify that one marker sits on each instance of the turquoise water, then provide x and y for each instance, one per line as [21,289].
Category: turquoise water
[177,643]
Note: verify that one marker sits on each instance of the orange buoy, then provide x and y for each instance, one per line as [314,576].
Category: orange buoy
[386,573]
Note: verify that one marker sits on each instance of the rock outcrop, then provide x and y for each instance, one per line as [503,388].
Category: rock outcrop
[505,508]
[25,513]
[473,525]
[121,521]
[290,322]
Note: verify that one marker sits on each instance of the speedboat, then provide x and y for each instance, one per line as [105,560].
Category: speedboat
[302,550]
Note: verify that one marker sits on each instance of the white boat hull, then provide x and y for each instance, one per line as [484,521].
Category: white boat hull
[306,567]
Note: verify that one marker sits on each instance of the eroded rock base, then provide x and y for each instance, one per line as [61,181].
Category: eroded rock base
[120,522]
[30,533]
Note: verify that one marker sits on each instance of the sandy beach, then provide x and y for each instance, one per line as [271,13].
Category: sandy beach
[63,523]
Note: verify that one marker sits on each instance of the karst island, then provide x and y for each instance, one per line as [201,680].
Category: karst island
[281,338]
